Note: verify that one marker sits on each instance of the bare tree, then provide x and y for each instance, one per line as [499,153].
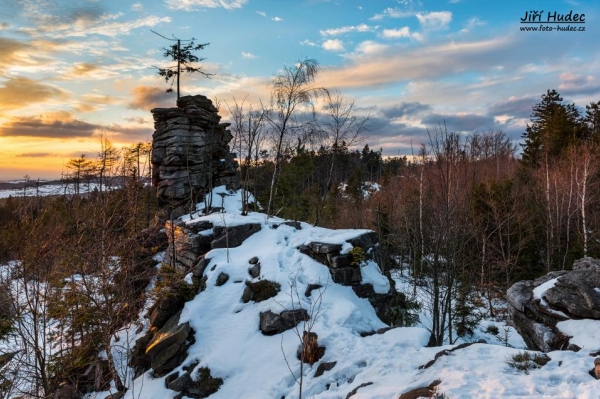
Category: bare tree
[292,92]
[248,131]
[340,128]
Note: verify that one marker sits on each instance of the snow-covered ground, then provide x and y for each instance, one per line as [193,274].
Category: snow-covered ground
[44,189]
[228,340]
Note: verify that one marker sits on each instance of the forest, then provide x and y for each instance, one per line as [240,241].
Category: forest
[472,212]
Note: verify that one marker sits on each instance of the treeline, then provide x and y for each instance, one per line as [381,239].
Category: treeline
[465,210]
[74,270]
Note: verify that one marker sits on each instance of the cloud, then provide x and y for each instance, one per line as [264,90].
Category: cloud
[83,25]
[4,25]
[62,125]
[472,23]
[406,109]
[572,83]
[190,5]
[396,33]
[35,155]
[146,98]
[20,92]
[348,29]
[276,19]
[435,20]
[11,50]
[57,125]
[83,69]
[308,43]
[516,108]
[137,7]
[368,48]
[375,64]
[262,13]
[333,45]
[460,122]
[248,55]
[393,13]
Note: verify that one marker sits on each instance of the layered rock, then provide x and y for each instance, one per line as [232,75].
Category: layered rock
[190,151]
[535,308]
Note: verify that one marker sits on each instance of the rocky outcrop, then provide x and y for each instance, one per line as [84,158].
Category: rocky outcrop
[567,295]
[344,268]
[163,350]
[190,151]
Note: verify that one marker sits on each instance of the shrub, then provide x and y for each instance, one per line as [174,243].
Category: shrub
[525,361]
[492,329]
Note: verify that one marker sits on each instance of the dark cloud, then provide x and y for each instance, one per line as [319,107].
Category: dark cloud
[19,92]
[406,109]
[46,127]
[146,98]
[35,155]
[514,108]
[62,125]
[460,123]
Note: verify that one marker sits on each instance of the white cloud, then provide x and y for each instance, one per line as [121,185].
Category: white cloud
[262,13]
[454,1]
[369,47]
[248,55]
[190,5]
[393,13]
[472,23]
[347,29]
[276,19]
[434,20]
[308,43]
[106,25]
[137,7]
[396,33]
[333,45]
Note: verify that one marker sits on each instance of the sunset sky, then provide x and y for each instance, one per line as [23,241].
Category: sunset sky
[74,70]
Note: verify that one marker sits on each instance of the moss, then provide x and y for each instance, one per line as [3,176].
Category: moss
[170,282]
[358,256]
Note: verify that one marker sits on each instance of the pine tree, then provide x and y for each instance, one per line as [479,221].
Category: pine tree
[554,126]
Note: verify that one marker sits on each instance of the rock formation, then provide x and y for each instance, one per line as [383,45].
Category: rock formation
[190,151]
[566,295]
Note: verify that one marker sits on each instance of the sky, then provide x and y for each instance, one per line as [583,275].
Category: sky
[73,71]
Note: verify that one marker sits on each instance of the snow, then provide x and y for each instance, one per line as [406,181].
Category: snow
[254,366]
[540,290]
[48,189]
[585,333]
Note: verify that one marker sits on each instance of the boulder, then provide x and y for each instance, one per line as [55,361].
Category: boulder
[254,271]
[260,291]
[202,386]
[346,275]
[221,279]
[574,295]
[323,367]
[169,346]
[233,236]
[272,323]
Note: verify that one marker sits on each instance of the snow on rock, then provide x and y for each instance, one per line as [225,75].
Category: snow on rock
[229,346]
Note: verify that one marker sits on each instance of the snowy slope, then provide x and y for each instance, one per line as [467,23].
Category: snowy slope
[228,340]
